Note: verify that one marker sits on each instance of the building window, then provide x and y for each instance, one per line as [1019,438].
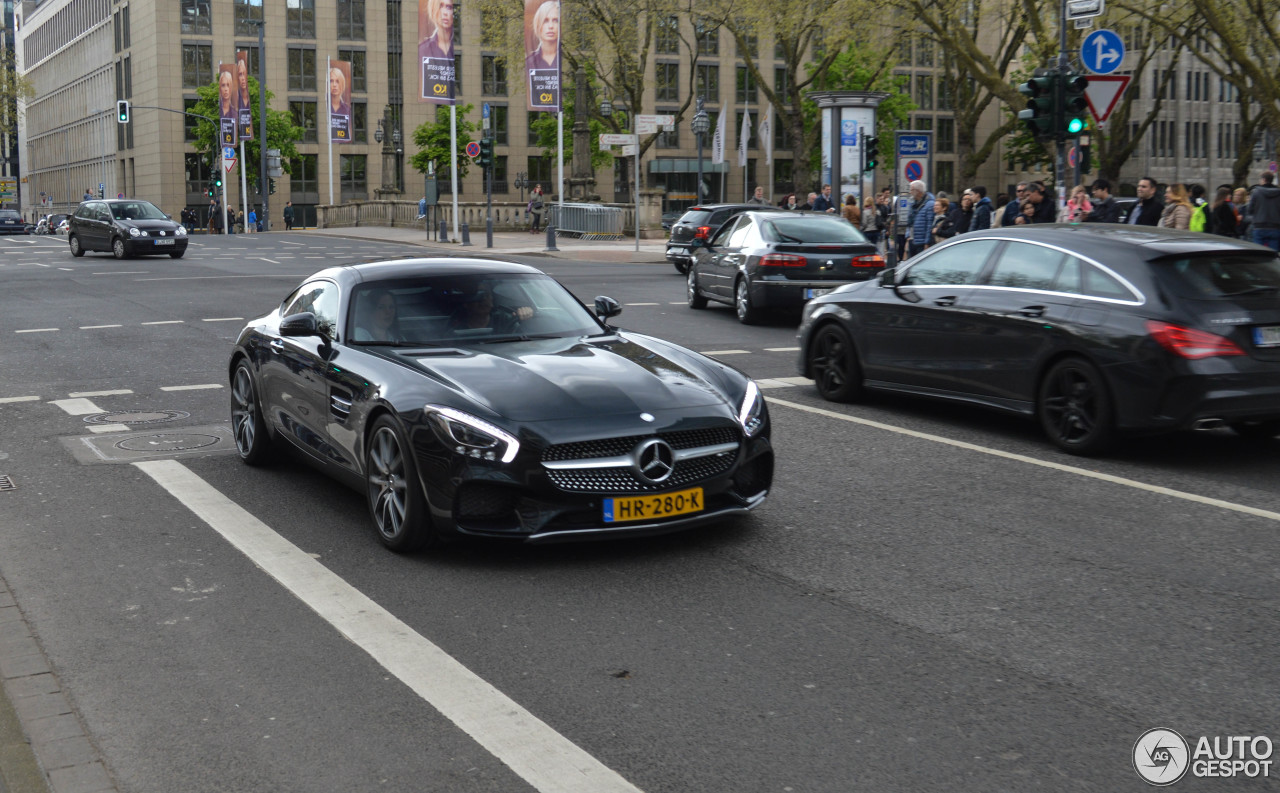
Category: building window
[304,176]
[493,75]
[946,175]
[500,174]
[667,78]
[247,12]
[124,24]
[783,178]
[189,123]
[751,42]
[708,36]
[303,113]
[300,19]
[782,140]
[493,28]
[351,20]
[360,122]
[197,18]
[946,94]
[924,52]
[946,135]
[359,71]
[395,80]
[541,170]
[197,65]
[924,91]
[302,69]
[781,85]
[746,85]
[498,124]
[353,170]
[198,173]
[708,82]
[667,40]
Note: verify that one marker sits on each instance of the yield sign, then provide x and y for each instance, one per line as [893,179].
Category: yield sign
[229,164]
[1103,92]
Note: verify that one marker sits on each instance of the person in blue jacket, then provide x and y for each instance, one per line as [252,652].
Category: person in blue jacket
[920,221]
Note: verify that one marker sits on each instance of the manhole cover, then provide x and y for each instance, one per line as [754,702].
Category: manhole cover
[136,417]
[167,442]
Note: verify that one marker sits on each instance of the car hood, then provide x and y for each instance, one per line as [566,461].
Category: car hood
[550,379]
[149,225]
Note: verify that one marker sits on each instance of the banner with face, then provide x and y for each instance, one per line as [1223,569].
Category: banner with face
[242,96]
[228,104]
[436,33]
[542,48]
[339,101]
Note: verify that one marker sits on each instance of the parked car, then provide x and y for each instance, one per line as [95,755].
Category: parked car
[49,223]
[768,259]
[481,398]
[1095,330]
[11,222]
[669,219]
[699,222]
[125,227]
[64,226]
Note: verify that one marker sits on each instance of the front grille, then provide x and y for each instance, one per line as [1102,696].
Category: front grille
[612,447]
[624,480]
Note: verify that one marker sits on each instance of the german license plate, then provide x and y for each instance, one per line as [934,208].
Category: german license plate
[1267,336]
[810,294]
[164,242]
[662,505]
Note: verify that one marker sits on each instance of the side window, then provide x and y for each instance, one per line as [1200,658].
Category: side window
[321,299]
[1068,279]
[739,236]
[954,265]
[1025,266]
[722,235]
[719,217]
[104,214]
[1099,284]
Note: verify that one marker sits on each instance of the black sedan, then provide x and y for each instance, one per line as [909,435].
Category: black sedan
[768,260]
[1096,330]
[700,223]
[11,222]
[125,227]
[481,398]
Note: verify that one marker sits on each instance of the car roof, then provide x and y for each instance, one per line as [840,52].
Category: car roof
[1098,240]
[396,269]
[714,207]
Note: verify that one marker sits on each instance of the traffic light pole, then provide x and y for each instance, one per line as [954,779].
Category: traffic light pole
[1059,109]
[222,169]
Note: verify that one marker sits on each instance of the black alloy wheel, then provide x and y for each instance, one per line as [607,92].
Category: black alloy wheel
[1257,430]
[833,362]
[247,427]
[747,313]
[1074,408]
[117,248]
[396,503]
[77,250]
[696,300]
[682,267]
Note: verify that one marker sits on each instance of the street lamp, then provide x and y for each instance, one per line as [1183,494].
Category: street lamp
[701,123]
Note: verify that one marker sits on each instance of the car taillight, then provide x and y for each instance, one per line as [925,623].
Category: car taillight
[873,260]
[1191,343]
[782,260]
[702,233]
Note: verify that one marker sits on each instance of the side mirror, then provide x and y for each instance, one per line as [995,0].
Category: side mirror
[887,276]
[607,307]
[303,324]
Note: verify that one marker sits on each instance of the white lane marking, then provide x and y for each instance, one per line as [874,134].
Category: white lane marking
[164,322]
[542,757]
[124,272]
[108,427]
[7,400]
[265,259]
[95,327]
[299,244]
[77,407]
[294,276]
[200,387]
[31,264]
[676,303]
[782,349]
[795,380]
[770,382]
[68,269]
[223,319]
[1022,458]
[641,304]
[119,392]
[726,352]
[36,330]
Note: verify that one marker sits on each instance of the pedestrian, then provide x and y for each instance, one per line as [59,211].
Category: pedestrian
[534,209]
[1042,208]
[1077,207]
[997,216]
[253,220]
[1149,209]
[809,202]
[231,221]
[871,221]
[1177,208]
[422,207]
[288,216]
[920,219]
[1264,212]
[965,216]
[1014,208]
[88,196]
[982,211]
[239,221]
[758,197]
[1028,214]
[216,218]
[790,202]
[1240,203]
[823,203]
[1105,209]
[1199,209]
[943,228]
[1222,216]
[850,210]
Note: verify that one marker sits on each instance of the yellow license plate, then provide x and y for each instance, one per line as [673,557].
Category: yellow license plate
[655,507]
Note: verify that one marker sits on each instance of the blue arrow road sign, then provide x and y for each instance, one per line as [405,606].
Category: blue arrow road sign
[1102,51]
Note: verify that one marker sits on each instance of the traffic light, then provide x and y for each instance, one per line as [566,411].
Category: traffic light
[211,191]
[122,111]
[1073,120]
[217,182]
[872,158]
[1039,91]
[486,152]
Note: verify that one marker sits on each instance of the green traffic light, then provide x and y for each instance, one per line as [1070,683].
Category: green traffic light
[1075,125]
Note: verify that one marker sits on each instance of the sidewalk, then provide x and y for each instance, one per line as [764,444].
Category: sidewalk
[506,243]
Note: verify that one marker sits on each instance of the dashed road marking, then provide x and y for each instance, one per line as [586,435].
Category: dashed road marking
[641,304]
[96,327]
[782,349]
[8,400]
[223,319]
[77,407]
[199,387]
[165,322]
[36,330]
[125,272]
[118,392]
[726,352]
[265,259]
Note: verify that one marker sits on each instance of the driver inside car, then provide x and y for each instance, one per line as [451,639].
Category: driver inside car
[478,310]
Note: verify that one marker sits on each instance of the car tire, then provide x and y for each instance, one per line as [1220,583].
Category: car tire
[681,267]
[76,249]
[176,254]
[396,502]
[253,443]
[833,362]
[696,300]
[748,314]
[118,249]
[1256,430]
[1074,408]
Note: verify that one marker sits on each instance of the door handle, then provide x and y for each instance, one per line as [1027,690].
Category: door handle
[949,300]
[277,344]
[1031,311]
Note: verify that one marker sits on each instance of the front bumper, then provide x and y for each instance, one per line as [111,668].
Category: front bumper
[679,254]
[146,246]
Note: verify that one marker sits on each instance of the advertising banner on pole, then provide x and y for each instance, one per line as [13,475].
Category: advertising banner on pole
[245,129]
[339,101]
[228,105]
[542,61]
[435,51]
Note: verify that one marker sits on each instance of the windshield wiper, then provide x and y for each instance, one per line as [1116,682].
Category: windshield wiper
[534,337]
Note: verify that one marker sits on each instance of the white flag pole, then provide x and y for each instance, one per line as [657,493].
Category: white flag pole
[222,177]
[453,163]
[328,126]
[560,148]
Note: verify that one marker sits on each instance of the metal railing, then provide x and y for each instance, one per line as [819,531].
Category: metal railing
[588,221]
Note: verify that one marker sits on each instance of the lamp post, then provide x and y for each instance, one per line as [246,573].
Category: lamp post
[389,137]
[701,123]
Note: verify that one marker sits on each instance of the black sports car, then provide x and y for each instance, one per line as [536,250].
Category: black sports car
[1095,329]
[481,398]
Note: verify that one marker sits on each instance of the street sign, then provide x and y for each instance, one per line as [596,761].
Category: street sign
[649,124]
[473,149]
[485,115]
[1083,9]
[1073,156]
[228,152]
[629,150]
[1103,94]
[913,170]
[229,163]
[9,187]
[1272,167]
[913,145]
[612,139]
[1102,51]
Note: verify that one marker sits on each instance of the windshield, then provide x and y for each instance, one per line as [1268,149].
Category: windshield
[459,310]
[695,217]
[1219,276]
[812,229]
[136,210]
[9,214]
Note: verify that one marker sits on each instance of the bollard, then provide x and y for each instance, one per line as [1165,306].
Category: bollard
[551,239]
[442,235]
[488,232]
[466,235]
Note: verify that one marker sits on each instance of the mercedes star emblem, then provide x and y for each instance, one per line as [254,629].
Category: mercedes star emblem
[654,460]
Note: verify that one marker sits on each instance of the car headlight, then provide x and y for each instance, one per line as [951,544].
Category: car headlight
[471,436]
[181,232]
[134,233]
[751,413]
